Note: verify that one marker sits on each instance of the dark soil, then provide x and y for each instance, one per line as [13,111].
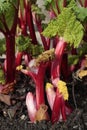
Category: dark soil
[15,116]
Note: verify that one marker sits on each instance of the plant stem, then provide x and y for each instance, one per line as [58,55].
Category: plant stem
[56,108]
[56,65]
[85,3]
[10,56]
[30,23]
[44,42]
[19,58]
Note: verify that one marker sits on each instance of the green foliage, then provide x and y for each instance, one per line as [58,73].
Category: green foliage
[48,3]
[80,12]
[2,46]
[38,12]
[2,76]
[25,44]
[4,6]
[73,59]
[51,5]
[7,12]
[67,26]
[82,49]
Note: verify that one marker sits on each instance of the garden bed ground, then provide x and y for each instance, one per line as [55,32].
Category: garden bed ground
[15,117]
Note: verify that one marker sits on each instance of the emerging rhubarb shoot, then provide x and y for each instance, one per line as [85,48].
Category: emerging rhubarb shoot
[34,113]
[56,100]
[31,106]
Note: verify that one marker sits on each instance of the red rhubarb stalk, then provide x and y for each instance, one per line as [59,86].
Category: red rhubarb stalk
[10,44]
[19,58]
[56,64]
[63,109]
[81,3]
[30,23]
[38,75]
[64,3]
[85,3]
[56,108]
[39,26]
[10,56]
[57,7]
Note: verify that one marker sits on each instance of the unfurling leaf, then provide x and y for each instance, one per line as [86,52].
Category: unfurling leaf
[67,26]
[45,56]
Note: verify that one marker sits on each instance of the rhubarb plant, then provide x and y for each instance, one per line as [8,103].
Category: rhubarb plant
[26,19]
[69,30]
[8,24]
[37,71]
[59,107]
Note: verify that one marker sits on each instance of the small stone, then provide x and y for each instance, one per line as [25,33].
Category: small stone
[23,117]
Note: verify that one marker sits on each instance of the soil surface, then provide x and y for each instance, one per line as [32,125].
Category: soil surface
[15,116]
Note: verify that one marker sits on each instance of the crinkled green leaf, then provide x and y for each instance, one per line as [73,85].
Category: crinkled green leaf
[25,44]
[4,6]
[73,59]
[8,11]
[81,12]
[67,26]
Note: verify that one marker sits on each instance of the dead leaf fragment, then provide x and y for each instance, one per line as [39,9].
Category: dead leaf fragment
[5,98]
[42,114]
[81,73]
[8,88]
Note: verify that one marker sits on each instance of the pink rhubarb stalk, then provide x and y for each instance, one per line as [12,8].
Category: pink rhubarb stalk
[31,106]
[51,94]
[19,59]
[38,75]
[56,64]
